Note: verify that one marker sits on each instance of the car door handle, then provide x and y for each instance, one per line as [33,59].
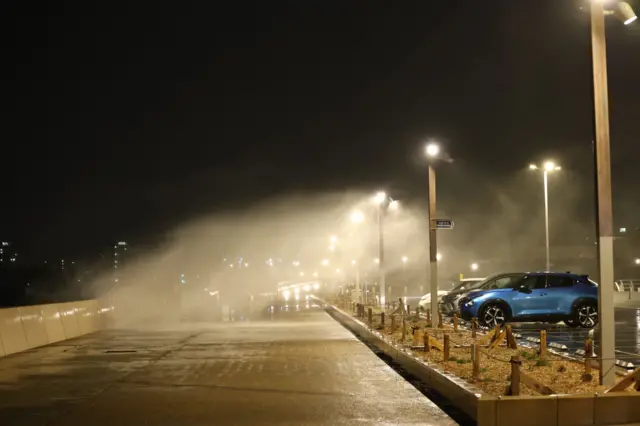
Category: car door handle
[543,294]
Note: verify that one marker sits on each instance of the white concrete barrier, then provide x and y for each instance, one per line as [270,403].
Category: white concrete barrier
[53,323]
[33,326]
[11,331]
[28,327]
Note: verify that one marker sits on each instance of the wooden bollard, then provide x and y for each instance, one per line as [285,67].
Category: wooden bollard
[446,348]
[543,344]
[440,324]
[393,323]
[382,319]
[416,338]
[404,329]
[418,312]
[425,340]
[455,322]
[511,340]
[588,349]
[475,359]
[370,315]
[474,327]
[408,308]
[428,316]
[515,375]
[496,332]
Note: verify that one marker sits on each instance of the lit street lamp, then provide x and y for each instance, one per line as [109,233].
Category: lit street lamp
[604,211]
[383,203]
[637,261]
[549,167]
[474,266]
[433,152]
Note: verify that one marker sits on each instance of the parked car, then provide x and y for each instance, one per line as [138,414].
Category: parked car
[534,296]
[456,287]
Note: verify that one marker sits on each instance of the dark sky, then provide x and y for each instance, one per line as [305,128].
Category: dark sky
[124,119]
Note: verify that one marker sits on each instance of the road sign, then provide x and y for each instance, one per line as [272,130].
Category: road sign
[442,224]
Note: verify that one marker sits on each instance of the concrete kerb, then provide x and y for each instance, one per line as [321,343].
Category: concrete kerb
[620,408]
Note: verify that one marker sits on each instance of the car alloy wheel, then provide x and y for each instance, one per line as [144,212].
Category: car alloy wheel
[493,315]
[587,316]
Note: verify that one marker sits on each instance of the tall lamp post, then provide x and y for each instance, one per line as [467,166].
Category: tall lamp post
[383,203]
[548,167]
[604,211]
[433,152]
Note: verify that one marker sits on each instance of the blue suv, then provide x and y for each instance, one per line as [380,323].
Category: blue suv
[535,296]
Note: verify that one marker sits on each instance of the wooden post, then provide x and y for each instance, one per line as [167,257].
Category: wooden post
[515,375]
[370,315]
[440,324]
[511,341]
[428,316]
[404,329]
[496,332]
[474,327]
[446,347]
[425,339]
[416,338]
[382,319]
[588,349]
[417,311]
[393,323]
[475,358]
[543,344]
[455,322]
[408,310]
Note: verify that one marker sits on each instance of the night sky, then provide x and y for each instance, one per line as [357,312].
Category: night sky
[122,120]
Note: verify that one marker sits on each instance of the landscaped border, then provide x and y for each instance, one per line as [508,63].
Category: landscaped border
[616,408]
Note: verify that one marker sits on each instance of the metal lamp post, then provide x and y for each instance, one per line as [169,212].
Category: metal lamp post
[604,209]
[548,167]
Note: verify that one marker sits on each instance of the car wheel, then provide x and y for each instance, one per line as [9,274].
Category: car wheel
[492,315]
[571,322]
[586,315]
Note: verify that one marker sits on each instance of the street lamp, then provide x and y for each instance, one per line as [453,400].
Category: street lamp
[474,266]
[383,203]
[357,217]
[433,152]
[548,167]
[637,261]
[604,211]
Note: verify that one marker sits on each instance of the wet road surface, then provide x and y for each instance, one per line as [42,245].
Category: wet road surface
[627,334]
[302,368]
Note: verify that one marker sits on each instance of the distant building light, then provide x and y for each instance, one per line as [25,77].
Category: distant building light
[122,243]
[4,244]
[623,230]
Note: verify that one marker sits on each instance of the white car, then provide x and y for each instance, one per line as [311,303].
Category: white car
[425,301]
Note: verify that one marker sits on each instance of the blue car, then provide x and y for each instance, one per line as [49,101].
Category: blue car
[535,296]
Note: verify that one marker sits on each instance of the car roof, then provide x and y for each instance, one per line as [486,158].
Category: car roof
[566,274]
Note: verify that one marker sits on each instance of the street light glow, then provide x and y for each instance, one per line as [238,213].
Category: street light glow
[404,259]
[533,167]
[432,150]
[638,261]
[549,166]
[380,197]
[393,205]
[474,266]
[357,216]
[376,260]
